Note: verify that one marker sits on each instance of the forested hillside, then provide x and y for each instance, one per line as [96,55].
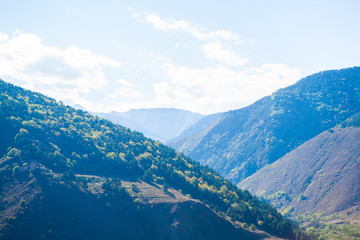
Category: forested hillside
[245,140]
[69,169]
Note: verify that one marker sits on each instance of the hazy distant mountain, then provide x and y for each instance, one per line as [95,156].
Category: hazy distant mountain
[118,118]
[66,174]
[322,175]
[157,123]
[197,127]
[246,140]
[78,106]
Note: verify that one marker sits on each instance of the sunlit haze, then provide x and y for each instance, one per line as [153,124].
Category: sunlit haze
[202,56]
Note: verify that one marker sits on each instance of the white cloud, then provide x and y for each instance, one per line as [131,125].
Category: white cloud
[124,83]
[135,15]
[79,76]
[215,50]
[197,31]
[124,92]
[172,96]
[219,88]
[63,74]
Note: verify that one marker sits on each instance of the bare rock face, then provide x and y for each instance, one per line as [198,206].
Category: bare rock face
[322,175]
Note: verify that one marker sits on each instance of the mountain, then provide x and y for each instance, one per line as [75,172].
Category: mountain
[157,123]
[245,140]
[317,183]
[197,127]
[117,118]
[78,106]
[321,175]
[65,174]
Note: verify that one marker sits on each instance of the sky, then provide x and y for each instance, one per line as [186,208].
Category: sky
[202,56]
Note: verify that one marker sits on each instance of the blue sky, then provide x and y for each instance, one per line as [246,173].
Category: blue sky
[203,56]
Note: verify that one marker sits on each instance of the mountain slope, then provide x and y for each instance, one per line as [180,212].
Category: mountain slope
[67,210]
[158,123]
[248,139]
[202,124]
[84,177]
[322,175]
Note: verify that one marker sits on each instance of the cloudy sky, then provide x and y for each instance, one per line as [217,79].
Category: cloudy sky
[202,56]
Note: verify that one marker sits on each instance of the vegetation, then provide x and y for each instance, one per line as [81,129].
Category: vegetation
[318,227]
[68,142]
[322,175]
[247,139]
[353,121]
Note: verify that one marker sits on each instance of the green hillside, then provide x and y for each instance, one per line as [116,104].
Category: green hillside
[67,168]
[245,140]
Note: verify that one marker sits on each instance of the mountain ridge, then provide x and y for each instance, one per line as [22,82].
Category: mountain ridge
[199,126]
[248,139]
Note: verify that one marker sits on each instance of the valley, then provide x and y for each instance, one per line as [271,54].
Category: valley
[60,165]
[63,170]
[179,120]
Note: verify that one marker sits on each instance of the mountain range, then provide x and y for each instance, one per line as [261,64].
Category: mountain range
[297,149]
[245,140]
[66,174]
[157,123]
